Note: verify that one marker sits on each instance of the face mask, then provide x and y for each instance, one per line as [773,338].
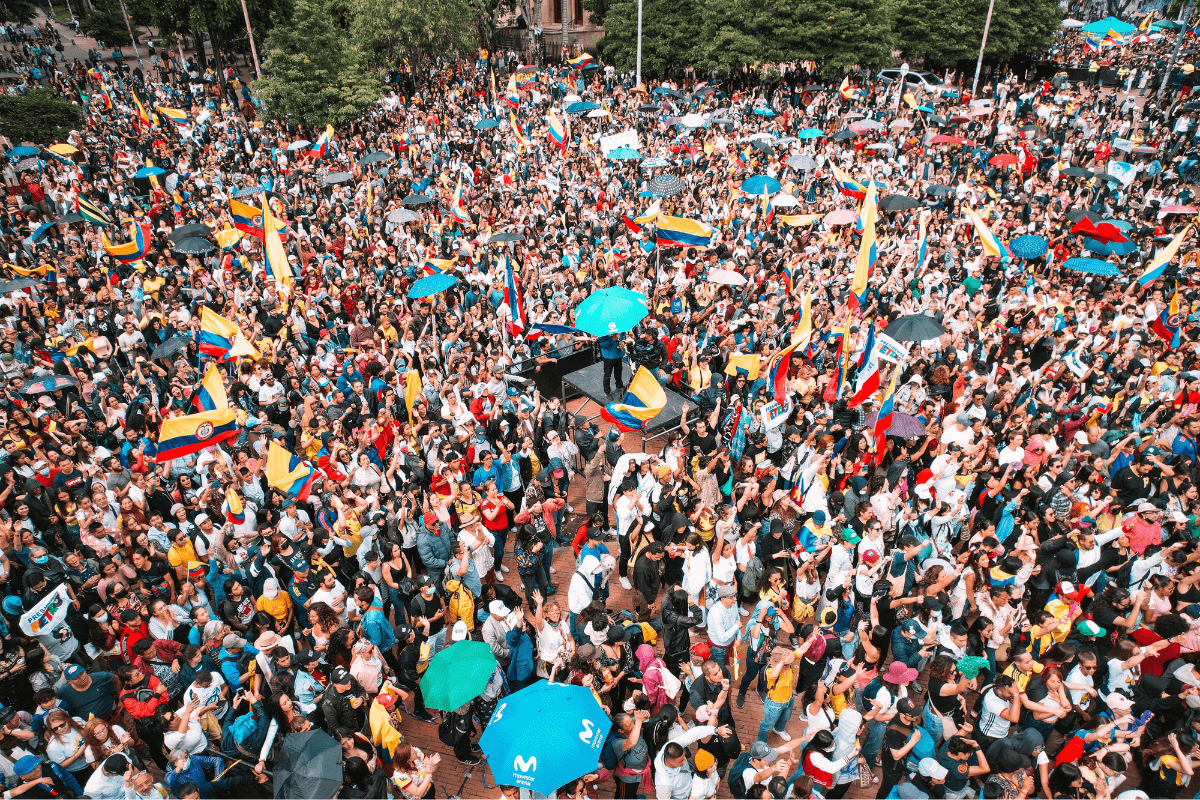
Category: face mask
[103,618]
[41,559]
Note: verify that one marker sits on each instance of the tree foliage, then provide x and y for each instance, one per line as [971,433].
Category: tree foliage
[668,34]
[19,11]
[106,24]
[221,19]
[41,116]
[314,74]
[389,31]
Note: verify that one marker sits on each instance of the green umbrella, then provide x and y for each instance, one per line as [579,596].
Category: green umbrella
[457,674]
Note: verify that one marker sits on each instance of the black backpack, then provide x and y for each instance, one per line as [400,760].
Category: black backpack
[737,786]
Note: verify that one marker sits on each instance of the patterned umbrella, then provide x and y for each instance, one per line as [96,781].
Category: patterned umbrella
[1028,246]
[666,185]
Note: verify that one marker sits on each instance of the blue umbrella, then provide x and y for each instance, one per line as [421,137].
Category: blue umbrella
[1108,249]
[655,162]
[1028,246]
[810,133]
[926,109]
[432,284]
[545,736]
[1119,223]
[579,108]
[1091,266]
[760,184]
[614,310]
[23,150]
[485,124]
[146,172]
[625,154]
[40,233]
[764,111]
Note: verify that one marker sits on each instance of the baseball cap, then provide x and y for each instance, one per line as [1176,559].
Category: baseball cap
[1011,761]
[73,671]
[26,765]
[870,557]
[906,706]
[763,752]
[1119,702]
[339,676]
[932,769]
[1089,628]
[459,631]
[306,656]
[848,535]
[232,640]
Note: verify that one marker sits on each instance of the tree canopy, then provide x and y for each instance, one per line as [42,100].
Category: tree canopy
[41,116]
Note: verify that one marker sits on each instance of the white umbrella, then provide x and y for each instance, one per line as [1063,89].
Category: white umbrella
[571,98]
[693,120]
[1072,23]
[596,113]
[784,200]
[900,123]
[727,277]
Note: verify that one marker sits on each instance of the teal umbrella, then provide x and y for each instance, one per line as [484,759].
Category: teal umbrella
[810,133]
[457,674]
[608,311]
[625,154]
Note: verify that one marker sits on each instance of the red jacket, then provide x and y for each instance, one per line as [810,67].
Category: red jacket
[144,709]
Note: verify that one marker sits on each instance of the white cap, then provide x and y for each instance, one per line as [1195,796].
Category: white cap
[459,631]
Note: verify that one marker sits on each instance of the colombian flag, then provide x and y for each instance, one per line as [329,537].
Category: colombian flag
[777,371]
[273,250]
[1161,259]
[457,211]
[180,436]
[288,473]
[436,266]
[91,212]
[322,142]
[682,232]
[511,97]
[557,132]
[643,400]
[216,333]
[512,297]
[1168,322]
[233,507]
[991,247]
[246,218]
[847,185]
[143,115]
[130,251]
[176,115]
[867,249]
[210,392]
[884,420]
[922,238]
[581,62]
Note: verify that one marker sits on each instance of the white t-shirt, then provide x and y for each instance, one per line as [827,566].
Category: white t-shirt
[998,727]
[59,752]
[193,740]
[209,695]
[115,734]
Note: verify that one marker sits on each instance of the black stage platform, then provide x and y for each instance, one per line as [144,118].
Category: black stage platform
[589,382]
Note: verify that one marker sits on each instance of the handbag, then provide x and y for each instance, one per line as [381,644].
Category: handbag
[670,684]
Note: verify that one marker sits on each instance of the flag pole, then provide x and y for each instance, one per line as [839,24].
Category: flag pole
[979,63]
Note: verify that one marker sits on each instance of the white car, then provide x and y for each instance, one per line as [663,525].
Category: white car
[915,78]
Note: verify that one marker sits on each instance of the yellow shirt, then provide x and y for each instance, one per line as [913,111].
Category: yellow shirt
[180,556]
[277,608]
[780,690]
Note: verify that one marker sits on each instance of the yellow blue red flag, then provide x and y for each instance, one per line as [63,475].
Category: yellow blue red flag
[643,401]
[180,436]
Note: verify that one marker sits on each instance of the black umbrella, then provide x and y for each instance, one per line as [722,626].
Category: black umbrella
[505,236]
[844,134]
[705,91]
[1079,213]
[649,108]
[170,347]
[48,383]
[337,177]
[666,185]
[936,119]
[759,144]
[189,231]
[17,284]
[670,91]
[195,246]
[371,158]
[418,199]
[814,87]
[914,328]
[308,766]
[1077,172]
[70,218]
[898,202]
[939,190]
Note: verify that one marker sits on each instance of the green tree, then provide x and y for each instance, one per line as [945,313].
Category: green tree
[314,74]
[222,20]
[106,23]
[41,116]
[941,31]
[731,34]
[19,11]
[835,33]
[668,35]
[388,31]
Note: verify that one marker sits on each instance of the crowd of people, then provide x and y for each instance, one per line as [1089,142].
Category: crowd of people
[996,594]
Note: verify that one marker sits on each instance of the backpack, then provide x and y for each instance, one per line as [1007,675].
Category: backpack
[924,747]
[737,786]
[608,756]
[447,731]
[752,576]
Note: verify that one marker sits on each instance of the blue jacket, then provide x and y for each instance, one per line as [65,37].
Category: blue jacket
[520,648]
[376,629]
[434,548]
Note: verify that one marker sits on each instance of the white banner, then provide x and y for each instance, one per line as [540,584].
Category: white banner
[623,139]
[48,614]
[889,349]
[774,415]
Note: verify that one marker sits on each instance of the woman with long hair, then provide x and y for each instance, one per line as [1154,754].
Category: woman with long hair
[65,744]
[413,771]
[103,740]
[341,649]
[817,762]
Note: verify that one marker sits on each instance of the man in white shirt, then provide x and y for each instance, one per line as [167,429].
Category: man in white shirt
[673,779]
[270,391]
[332,593]
[630,506]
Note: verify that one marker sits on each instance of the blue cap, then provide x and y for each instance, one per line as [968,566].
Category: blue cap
[12,605]
[73,671]
[26,765]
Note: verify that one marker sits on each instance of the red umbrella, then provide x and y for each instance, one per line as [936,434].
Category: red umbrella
[958,118]
[1085,228]
[941,138]
[1108,233]
[1004,160]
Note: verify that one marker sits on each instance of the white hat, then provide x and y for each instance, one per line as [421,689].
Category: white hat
[497,608]
[460,632]
[930,768]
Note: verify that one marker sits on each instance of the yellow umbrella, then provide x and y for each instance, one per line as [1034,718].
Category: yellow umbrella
[61,149]
[229,237]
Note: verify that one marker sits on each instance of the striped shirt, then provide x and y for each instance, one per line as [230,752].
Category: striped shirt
[991,724]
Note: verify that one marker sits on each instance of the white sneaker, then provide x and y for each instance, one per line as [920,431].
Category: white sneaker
[744,612]
[570,508]
[553,571]
[504,568]
[626,584]
[787,737]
